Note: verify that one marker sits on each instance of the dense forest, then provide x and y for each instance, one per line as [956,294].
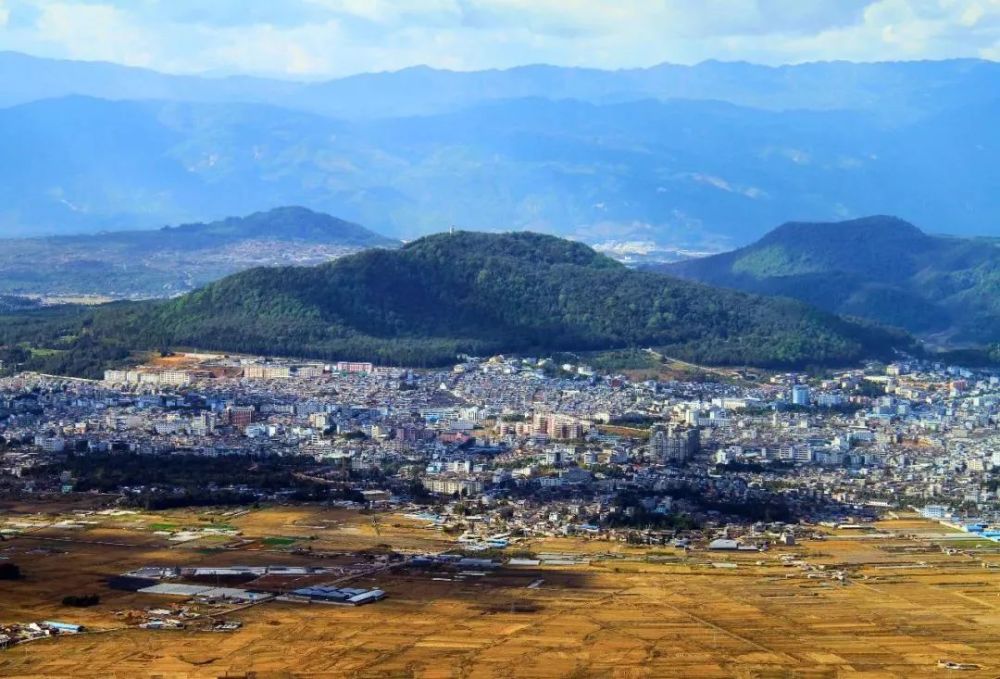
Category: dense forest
[448,294]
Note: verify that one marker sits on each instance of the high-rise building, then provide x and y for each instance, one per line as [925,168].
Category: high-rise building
[557,426]
[240,416]
[674,444]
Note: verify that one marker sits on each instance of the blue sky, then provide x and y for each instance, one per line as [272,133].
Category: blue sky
[329,38]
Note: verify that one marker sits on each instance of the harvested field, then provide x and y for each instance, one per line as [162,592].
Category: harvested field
[895,613]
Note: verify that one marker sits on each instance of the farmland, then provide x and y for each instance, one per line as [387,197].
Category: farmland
[883,604]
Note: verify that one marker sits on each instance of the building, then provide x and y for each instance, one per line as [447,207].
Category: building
[263,371]
[724,544]
[557,426]
[176,378]
[354,367]
[240,416]
[376,495]
[116,376]
[51,444]
[309,371]
[800,395]
[450,486]
[202,424]
[935,511]
[674,444]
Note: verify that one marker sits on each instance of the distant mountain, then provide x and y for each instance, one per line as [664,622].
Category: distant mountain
[880,268]
[468,292]
[890,89]
[171,260]
[293,224]
[680,174]
[27,78]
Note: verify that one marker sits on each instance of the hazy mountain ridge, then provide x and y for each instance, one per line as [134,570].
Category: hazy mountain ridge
[698,157]
[889,88]
[467,292]
[880,268]
[684,174]
[171,260]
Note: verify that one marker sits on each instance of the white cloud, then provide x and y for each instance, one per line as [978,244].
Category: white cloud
[320,38]
[94,31]
[381,11]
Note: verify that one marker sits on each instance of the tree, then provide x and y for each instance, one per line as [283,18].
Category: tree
[81,601]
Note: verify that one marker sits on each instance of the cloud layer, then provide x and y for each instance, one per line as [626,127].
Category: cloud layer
[326,38]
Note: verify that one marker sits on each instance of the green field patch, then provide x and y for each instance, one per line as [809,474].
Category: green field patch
[279,541]
[39,352]
[214,538]
[209,550]
[163,526]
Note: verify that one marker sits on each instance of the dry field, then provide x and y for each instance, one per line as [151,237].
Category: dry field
[625,612]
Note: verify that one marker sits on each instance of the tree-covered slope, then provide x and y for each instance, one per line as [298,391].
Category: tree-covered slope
[880,268]
[478,293]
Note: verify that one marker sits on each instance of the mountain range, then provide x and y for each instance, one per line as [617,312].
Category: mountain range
[705,157]
[168,261]
[943,288]
[892,89]
[447,294]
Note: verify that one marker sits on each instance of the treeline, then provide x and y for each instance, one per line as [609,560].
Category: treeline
[81,600]
[297,491]
[195,476]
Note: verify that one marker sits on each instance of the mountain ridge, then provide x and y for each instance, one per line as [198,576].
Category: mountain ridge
[685,174]
[293,222]
[405,91]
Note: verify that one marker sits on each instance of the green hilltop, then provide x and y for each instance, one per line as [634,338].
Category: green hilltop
[463,292]
[944,288]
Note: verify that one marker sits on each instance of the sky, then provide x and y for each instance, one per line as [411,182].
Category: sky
[312,39]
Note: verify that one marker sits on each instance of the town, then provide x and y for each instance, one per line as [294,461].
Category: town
[524,444]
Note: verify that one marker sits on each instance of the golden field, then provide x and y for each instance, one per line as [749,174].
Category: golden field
[624,611]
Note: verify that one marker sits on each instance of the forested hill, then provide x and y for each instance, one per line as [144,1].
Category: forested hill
[880,268]
[472,292]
